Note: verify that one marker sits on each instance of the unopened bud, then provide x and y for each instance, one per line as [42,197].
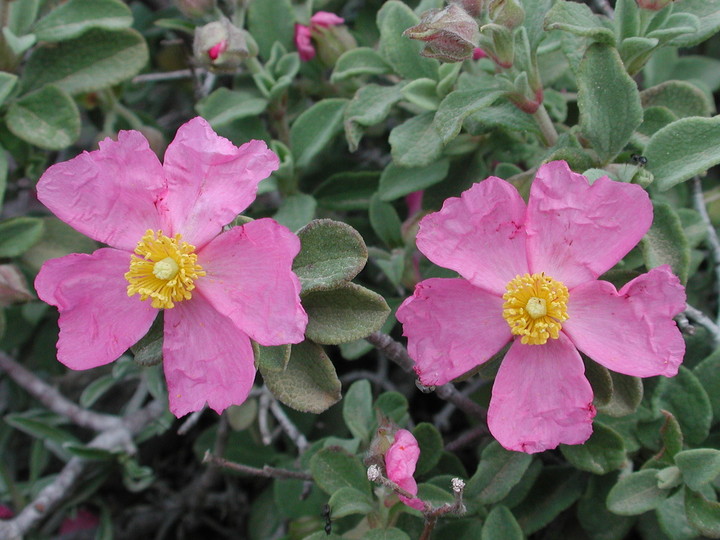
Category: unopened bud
[653,5]
[472,7]
[222,46]
[195,8]
[507,13]
[450,34]
[13,287]
[332,42]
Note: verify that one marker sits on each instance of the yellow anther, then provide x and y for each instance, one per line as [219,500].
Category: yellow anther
[535,306]
[164,269]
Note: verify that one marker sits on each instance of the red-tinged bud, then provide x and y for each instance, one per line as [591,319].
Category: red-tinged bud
[327,36]
[472,7]
[653,5]
[13,287]
[383,439]
[196,8]
[479,53]
[507,13]
[450,34]
[221,46]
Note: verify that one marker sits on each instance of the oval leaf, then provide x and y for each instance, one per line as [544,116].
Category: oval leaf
[665,242]
[314,129]
[603,452]
[334,468]
[77,16]
[17,235]
[636,493]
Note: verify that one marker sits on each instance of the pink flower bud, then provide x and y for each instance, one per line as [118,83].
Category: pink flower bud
[325,19]
[326,36]
[222,46]
[653,5]
[450,34]
[303,42]
[13,288]
[217,49]
[478,53]
[472,7]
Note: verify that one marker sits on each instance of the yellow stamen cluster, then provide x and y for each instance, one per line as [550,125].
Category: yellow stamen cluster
[535,306]
[163,269]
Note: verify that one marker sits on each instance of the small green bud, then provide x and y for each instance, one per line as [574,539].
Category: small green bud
[450,34]
[221,46]
[507,13]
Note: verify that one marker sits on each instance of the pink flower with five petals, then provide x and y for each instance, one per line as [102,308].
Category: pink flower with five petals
[400,462]
[529,277]
[163,224]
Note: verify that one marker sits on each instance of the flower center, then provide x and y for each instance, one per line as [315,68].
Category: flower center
[164,269]
[535,306]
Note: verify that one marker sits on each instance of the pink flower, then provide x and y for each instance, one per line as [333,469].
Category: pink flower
[400,461]
[303,34]
[163,223]
[529,276]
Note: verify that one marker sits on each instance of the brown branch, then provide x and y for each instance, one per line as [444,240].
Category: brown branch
[266,472]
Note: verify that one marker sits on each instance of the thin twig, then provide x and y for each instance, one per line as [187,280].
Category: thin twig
[376,378]
[52,495]
[266,472]
[191,421]
[712,237]
[703,320]
[467,438]
[163,76]
[264,417]
[398,354]
[287,425]
[442,419]
[54,400]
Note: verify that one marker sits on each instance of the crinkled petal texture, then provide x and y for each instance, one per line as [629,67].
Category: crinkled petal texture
[541,397]
[400,461]
[452,327]
[110,194]
[631,331]
[210,180]
[303,43]
[98,321]
[576,231]
[205,358]
[250,279]
[480,235]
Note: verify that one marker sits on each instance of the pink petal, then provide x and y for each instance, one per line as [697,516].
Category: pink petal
[480,235]
[630,331]
[211,180]
[98,320]
[250,279]
[109,194]
[577,231]
[326,19]
[541,398]
[451,327]
[205,357]
[303,43]
[400,461]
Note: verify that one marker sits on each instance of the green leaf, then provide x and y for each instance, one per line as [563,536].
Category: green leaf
[8,82]
[47,118]
[69,20]
[601,382]
[334,468]
[296,211]
[314,129]
[699,466]
[708,14]
[394,406]
[608,100]
[96,389]
[343,314]
[626,397]
[555,490]
[500,524]
[431,447]
[423,93]
[96,60]
[332,253]
[416,142]
[636,493]
[370,105]
[88,452]
[593,515]
[309,383]
[58,240]
[702,514]
[457,106]
[578,19]
[357,410]
[385,534]
[396,182]
[17,235]
[685,397]
[682,98]
[602,453]
[683,149]
[224,105]
[502,115]
[347,501]
[402,53]
[708,373]
[672,443]
[385,222]
[40,428]
[499,470]
[347,190]
[665,242]
[274,358]
[271,21]
[360,61]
